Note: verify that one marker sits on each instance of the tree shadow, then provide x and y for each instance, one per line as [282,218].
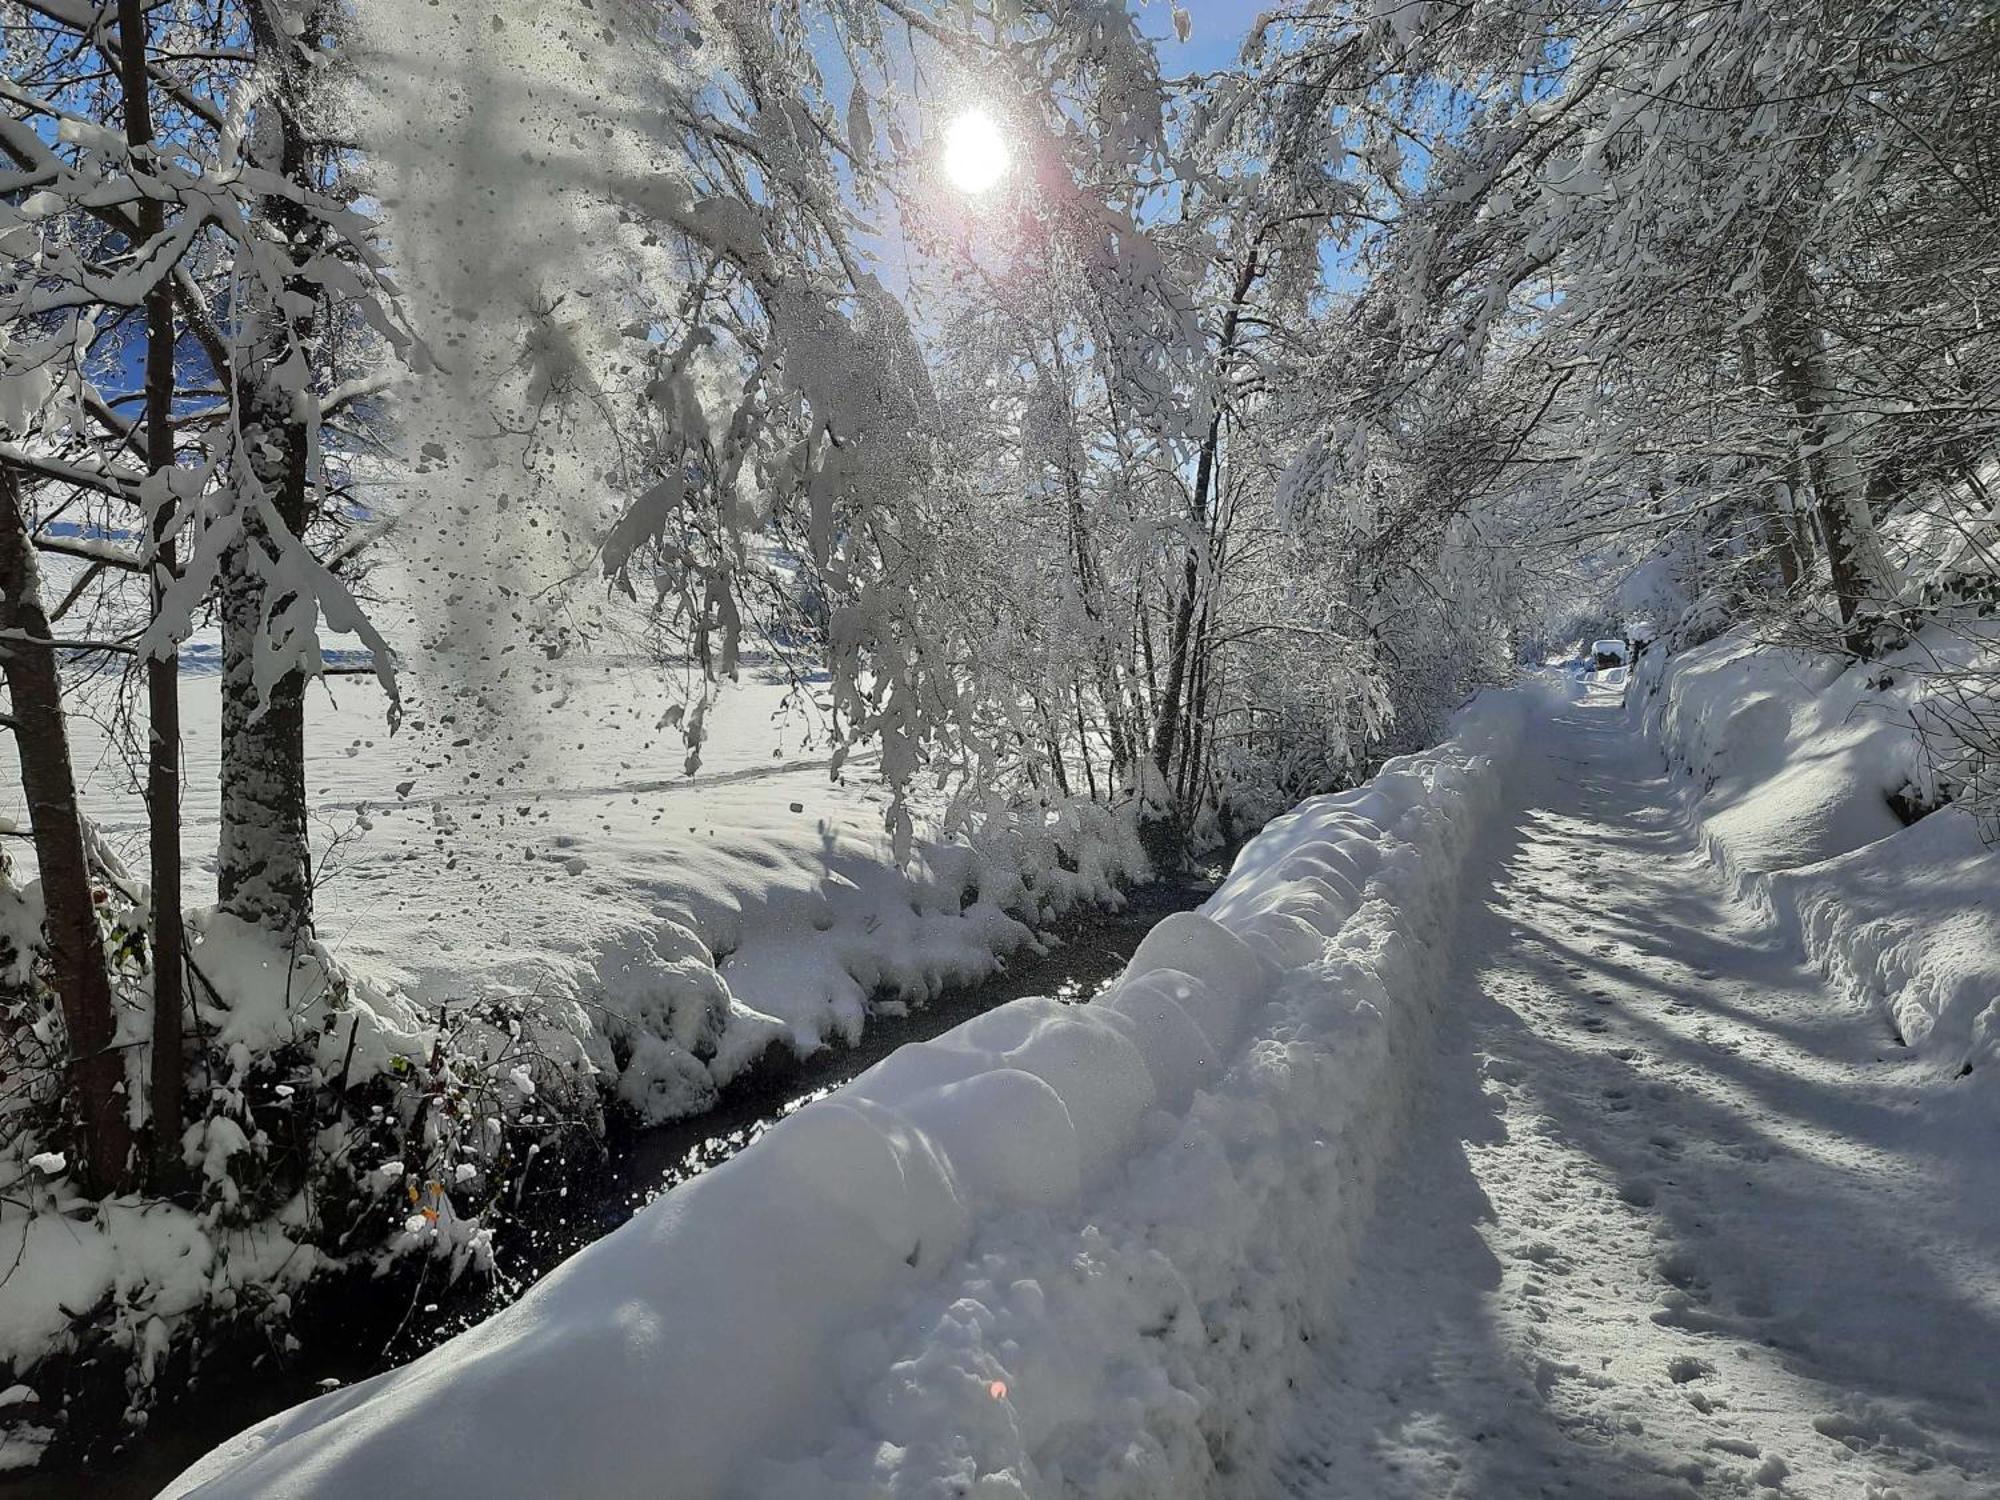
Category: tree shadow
[1669,1040]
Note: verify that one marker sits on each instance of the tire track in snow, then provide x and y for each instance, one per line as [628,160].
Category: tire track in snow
[1675,1220]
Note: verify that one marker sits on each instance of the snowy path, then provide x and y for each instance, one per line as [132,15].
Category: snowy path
[1675,1220]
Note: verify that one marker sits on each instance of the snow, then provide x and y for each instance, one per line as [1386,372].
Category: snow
[153,1261]
[1057,1242]
[1797,759]
[1661,1213]
[666,928]
[1676,1220]
[709,921]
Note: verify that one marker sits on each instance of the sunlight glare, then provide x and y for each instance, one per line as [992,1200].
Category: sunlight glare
[975,153]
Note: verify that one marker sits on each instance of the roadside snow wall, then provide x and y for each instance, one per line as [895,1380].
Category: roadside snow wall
[1058,1250]
[1796,759]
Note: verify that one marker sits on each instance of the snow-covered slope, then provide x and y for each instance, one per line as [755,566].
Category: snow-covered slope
[1798,760]
[671,924]
[1059,1245]
[654,931]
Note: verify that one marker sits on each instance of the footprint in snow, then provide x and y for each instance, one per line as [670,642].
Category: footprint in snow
[1679,1270]
[1500,1070]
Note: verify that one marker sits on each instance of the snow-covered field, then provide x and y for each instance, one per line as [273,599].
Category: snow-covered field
[1059,1247]
[586,870]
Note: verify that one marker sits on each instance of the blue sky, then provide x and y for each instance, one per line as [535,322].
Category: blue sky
[1219,27]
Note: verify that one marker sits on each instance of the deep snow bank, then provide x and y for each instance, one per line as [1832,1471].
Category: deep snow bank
[1059,1248]
[646,934]
[1797,760]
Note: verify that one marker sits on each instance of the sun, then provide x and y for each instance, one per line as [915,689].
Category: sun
[975,152]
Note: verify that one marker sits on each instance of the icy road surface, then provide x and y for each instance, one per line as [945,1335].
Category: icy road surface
[1677,1220]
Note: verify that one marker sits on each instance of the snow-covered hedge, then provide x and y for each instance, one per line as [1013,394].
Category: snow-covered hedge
[1807,770]
[1058,1247]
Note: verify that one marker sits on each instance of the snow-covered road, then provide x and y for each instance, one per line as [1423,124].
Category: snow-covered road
[1675,1219]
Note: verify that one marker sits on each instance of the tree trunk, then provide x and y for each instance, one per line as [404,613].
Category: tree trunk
[1167,726]
[163,705]
[1839,496]
[1083,744]
[1089,580]
[1197,719]
[263,857]
[263,870]
[1779,514]
[75,942]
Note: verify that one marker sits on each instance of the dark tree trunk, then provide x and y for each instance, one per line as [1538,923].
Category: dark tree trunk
[1197,732]
[163,704]
[75,942]
[1806,384]
[1167,726]
[1089,580]
[1083,744]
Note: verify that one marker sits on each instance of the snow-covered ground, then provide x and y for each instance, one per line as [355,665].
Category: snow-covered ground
[1059,1247]
[1796,759]
[582,867]
[662,929]
[1678,1219]
[1657,1208]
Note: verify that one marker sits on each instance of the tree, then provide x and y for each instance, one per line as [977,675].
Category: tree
[1711,244]
[163,770]
[78,972]
[155,233]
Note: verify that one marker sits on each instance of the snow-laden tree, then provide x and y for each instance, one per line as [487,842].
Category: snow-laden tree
[737,408]
[1732,258]
[167,259]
